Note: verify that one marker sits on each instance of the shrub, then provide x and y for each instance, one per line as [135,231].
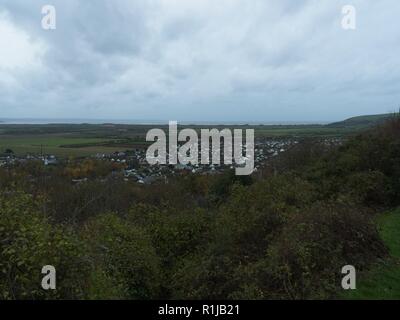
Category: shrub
[123,258]
[27,243]
[306,259]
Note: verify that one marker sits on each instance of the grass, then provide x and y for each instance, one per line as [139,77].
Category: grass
[362,121]
[52,144]
[65,140]
[299,131]
[383,280]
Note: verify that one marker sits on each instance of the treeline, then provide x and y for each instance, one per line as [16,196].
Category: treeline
[283,234]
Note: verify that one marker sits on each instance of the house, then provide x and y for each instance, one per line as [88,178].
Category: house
[50,160]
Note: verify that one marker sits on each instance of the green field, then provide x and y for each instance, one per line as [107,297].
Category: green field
[383,280]
[87,139]
[49,144]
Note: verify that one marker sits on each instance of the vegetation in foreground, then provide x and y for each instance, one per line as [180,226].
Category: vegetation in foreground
[284,234]
[382,281]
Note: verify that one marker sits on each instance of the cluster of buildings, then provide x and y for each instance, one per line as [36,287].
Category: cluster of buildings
[10,159]
[136,168]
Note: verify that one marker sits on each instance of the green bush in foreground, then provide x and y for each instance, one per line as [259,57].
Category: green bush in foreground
[124,259]
[27,243]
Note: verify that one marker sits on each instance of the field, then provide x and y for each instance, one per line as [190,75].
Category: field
[52,144]
[68,140]
[84,140]
[87,139]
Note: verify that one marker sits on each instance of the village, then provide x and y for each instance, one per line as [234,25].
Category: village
[132,165]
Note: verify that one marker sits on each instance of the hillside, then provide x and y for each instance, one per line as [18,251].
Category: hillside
[361,121]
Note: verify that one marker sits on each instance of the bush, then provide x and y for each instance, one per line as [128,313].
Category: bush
[27,243]
[123,259]
[369,188]
[306,259]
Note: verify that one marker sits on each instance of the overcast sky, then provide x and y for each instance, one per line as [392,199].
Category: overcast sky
[243,60]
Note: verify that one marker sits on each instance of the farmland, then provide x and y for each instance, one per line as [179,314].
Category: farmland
[52,145]
[80,140]
[65,140]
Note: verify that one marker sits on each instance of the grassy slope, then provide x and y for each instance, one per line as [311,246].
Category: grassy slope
[361,121]
[383,281]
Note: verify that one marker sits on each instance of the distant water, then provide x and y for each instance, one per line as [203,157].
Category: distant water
[149,122]
[74,121]
[69,121]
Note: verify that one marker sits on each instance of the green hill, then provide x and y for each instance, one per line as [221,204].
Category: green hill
[362,121]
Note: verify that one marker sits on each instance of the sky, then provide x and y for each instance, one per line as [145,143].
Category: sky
[199,60]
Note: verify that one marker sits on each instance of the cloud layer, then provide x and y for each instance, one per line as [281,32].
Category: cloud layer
[242,60]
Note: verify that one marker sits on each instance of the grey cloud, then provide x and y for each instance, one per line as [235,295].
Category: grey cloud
[206,60]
